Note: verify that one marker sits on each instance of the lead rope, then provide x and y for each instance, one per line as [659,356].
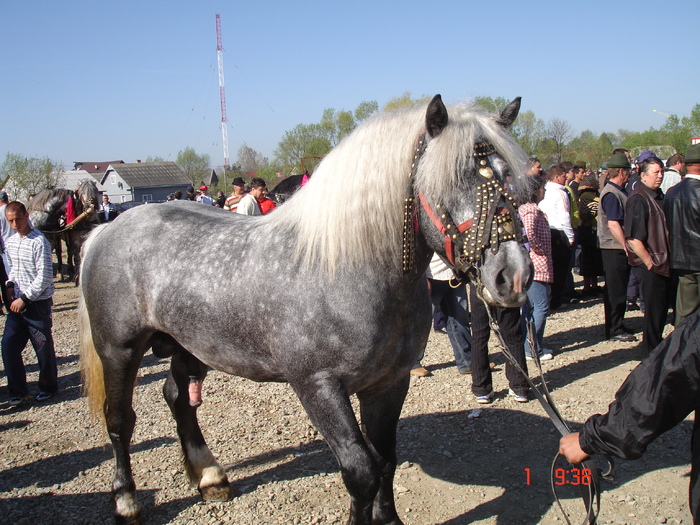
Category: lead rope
[590,493]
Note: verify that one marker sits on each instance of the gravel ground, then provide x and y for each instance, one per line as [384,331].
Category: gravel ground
[459,462]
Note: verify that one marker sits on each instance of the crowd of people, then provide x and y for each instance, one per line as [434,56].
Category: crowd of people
[246,201]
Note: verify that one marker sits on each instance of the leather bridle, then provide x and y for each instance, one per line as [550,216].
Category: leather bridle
[495,217]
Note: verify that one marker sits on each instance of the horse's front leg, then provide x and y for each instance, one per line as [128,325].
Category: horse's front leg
[380,412]
[329,408]
[202,468]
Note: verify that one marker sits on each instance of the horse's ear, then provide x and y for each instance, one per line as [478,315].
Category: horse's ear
[436,117]
[509,113]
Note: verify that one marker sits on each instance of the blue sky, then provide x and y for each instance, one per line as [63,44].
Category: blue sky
[102,80]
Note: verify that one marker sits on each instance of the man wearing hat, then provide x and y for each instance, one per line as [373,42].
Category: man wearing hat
[231,203]
[611,237]
[204,197]
[682,210]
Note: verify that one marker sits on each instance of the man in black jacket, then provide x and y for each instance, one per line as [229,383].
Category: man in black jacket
[682,210]
[657,395]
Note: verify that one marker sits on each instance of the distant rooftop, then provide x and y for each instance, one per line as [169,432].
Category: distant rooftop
[95,167]
[150,174]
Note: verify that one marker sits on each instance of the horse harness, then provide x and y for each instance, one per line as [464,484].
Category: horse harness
[495,220]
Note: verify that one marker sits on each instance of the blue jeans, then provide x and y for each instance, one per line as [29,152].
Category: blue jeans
[536,308]
[453,303]
[31,324]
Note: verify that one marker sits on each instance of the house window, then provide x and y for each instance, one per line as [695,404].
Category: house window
[146,197]
[114,178]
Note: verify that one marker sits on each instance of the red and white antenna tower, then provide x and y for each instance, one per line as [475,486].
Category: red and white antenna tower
[222,93]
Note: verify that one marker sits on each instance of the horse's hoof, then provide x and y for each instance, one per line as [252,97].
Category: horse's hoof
[127,510]
[128,520]
[121,520]
[216,492]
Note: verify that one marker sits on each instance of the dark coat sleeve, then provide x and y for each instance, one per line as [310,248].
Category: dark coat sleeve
[656,396]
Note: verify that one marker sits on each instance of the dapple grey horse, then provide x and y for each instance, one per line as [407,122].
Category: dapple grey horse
[326,293]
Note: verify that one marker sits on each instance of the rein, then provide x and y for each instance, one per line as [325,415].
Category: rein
[89,211]
[590,492]
[495,220]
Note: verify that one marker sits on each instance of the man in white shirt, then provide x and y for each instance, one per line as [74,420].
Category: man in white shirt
[29,291]
[672,175]
[555,206]
[248,205]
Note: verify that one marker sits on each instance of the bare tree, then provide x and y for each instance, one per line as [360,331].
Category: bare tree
[250,160]
[560,132]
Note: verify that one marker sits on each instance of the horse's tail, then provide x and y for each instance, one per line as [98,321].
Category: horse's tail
[90,364]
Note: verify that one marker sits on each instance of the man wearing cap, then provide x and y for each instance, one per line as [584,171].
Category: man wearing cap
[611,238]
[204,197]
[231,203]
[682,209]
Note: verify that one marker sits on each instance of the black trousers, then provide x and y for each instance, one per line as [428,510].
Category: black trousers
[617,275]
[561,257]
[655,289]
[509,324]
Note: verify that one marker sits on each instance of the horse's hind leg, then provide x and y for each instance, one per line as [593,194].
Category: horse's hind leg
[202,468]
[329,408]
[379,413]
[120,376]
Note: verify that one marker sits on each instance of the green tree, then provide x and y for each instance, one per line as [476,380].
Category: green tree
[195,166]
[405,100]
[27,176]
[491,105]
[157,158]
[528,131]
[366,109]
[271,175]
[303,141]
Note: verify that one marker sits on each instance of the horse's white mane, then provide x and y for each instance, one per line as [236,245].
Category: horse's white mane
[351,210]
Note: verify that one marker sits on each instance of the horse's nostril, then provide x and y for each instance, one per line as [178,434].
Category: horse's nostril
[500,279]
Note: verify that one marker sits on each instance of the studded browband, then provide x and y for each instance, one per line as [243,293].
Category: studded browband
[495,217]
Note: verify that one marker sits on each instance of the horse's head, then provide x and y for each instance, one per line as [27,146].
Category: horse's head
[87,196]
[466,168]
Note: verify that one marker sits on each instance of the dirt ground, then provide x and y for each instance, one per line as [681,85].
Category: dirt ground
[460,462]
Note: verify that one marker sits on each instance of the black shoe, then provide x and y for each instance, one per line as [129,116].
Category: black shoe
[632,306]
[623,337]
[627,330]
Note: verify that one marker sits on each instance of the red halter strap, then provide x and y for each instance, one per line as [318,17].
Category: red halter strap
[461,228]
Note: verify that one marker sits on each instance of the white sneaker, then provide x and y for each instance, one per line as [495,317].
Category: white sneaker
[518,397]
[546,355]
[485,400]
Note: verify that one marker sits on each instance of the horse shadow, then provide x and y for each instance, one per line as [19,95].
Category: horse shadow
[504,449]
[74,508]
[61,468]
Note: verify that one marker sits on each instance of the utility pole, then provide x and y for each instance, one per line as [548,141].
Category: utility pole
[222,97]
